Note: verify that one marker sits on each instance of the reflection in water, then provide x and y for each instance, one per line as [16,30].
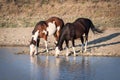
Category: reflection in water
[44,69]
[24,67]
[34,68]
[75,68]
[67,68]
[85,68]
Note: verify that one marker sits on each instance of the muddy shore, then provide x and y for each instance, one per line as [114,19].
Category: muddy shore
[105,44]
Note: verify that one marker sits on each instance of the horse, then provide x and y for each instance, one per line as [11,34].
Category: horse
[72,31]
[43,29]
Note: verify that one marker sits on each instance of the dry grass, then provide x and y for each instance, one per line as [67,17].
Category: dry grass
[104,13]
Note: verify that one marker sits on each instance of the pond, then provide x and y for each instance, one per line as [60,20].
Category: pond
[24,67]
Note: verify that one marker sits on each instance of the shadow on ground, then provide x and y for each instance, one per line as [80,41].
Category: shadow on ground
[96,42]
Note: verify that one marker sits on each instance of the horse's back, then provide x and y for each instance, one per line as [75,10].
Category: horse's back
[58,21]
[84,21]
[78,27]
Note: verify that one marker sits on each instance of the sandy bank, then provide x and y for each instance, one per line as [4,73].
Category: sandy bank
[105,44]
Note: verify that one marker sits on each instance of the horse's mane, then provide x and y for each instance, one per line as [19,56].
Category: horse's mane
[37,25]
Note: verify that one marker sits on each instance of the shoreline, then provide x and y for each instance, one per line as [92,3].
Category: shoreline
[105,44]
[24,49]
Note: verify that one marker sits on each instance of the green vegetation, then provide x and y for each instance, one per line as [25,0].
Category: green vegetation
[26,13]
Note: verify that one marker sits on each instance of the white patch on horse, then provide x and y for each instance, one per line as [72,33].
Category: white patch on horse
[67,52]
[35,36]
[45,32]
[57,52]
[74,51]
[58,28]
[85,46]
[51,28]
[46,45]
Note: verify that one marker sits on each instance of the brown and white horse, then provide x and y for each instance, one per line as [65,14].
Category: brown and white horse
[43,29]
[75,30]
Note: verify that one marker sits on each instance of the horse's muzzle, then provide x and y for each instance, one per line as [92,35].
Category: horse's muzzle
[33,50]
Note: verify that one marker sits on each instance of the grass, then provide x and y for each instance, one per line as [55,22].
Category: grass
[103,13]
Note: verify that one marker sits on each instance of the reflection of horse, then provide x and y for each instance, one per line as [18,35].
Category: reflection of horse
[50,68]
[43,29]
[72,31]
[44,68]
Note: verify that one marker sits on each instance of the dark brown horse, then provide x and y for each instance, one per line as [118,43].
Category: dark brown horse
[72,31]
[43,29]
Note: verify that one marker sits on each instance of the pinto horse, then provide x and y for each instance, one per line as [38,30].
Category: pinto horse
[43,29]
[72,31]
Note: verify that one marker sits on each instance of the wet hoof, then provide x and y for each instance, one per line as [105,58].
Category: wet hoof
[57,55]
[68,54]
[85,51]
[31,54]
[36,53]
[75,55]
[47,51]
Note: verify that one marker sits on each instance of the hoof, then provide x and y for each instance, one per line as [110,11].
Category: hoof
[47,51]
[36,54]
[75,55]
[67,55]
[31,54]
[85,51]
[56,55]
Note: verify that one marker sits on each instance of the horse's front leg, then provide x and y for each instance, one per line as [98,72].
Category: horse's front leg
[36,50]
[57,34]
[56,37]
[37,45]
[46,43]
[82,40]
[67,46]
[86,40]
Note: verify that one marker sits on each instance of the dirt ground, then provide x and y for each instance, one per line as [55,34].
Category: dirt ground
[105,44]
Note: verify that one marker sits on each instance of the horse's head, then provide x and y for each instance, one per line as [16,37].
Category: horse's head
[34,43]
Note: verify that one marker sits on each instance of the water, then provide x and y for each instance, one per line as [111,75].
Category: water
[24,67]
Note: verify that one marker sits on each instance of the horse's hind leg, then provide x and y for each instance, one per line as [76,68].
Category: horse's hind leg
[82,41]
[86,41]
[73,46]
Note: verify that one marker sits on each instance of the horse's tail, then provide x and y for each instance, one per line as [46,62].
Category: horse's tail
[94,29]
